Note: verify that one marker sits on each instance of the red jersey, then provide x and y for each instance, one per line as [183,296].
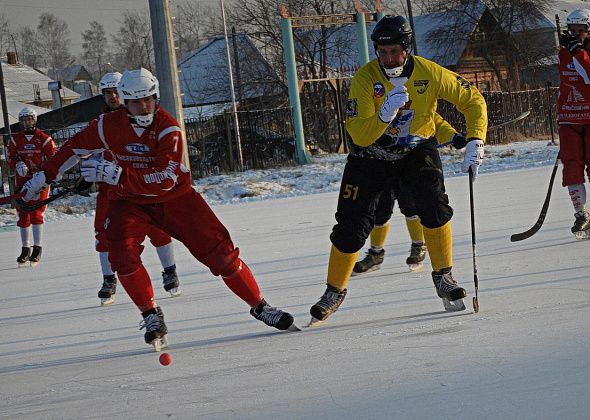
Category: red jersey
[151,158]
[574,86]
[33,149]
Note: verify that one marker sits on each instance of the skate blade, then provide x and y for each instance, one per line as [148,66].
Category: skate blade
[160,343]
[583,235]
[415,267]
[23,265]
[314,322]
[293,328]
[175,292]
[453,305]
[107,301]
[34,263]
[374,268]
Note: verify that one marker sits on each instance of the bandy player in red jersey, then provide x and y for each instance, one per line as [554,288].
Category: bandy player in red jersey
[151,186]
[27,151]
[574,115]
[159,239]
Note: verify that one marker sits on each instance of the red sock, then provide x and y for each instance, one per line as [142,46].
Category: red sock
[139,288]
[243,284]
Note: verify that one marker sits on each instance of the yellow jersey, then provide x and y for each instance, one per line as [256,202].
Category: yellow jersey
[427,83]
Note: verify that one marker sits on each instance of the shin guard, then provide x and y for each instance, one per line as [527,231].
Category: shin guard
[139,288]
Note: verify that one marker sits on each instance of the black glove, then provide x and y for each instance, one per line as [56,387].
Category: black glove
[570,42]
[459,141]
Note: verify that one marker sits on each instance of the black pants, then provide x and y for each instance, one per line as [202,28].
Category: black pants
[365,181]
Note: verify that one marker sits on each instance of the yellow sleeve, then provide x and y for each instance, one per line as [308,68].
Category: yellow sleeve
[444,131]
[468,100]
[362,120]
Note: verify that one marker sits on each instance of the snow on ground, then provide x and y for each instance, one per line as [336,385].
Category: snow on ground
[389,352]
[322,175]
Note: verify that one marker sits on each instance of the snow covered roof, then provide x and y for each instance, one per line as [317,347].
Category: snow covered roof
[204,73]
[20,80]
[14,108]
[69,74]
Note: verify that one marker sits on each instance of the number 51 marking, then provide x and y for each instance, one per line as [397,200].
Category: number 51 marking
[350,191]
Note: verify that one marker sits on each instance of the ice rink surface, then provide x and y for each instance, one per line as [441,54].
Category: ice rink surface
[389,352]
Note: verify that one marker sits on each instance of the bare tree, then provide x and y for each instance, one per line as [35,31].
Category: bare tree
[53,38]
[132,44]
[95,48]
[5,34]
[28,47]
[193,23]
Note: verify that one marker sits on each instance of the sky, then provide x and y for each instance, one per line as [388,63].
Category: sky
[390,351]
[77,13]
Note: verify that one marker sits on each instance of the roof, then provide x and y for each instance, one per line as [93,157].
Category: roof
[19,81]
[342,49]
[68,74]
[204,73]
[14,108]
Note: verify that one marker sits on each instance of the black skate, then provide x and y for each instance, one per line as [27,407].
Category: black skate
[23,258]
[273,317]
[581,227]
[416,258]
[171,283]
[371,262]
[155,328]
[35,255]
[448,290]
[107,291]
[327,305]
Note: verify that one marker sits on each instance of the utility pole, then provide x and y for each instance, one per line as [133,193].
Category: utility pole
[6,134]
[166,70]
[411,16]
[233,92]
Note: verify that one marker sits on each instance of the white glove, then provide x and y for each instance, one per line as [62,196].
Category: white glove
[100,171]
[34,186]
[473,156]
[395,99]
[21,168]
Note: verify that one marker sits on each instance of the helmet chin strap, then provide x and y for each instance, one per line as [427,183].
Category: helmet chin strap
[143,120]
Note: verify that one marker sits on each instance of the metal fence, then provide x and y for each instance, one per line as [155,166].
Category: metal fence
[504,106]
[266,139]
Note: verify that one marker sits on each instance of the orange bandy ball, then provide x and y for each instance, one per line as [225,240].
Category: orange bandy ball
[165,359]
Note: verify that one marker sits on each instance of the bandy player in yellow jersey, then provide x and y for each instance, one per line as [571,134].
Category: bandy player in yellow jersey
[445,134]
[390,118]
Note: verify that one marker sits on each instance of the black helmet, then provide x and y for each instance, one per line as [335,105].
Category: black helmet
[392,30]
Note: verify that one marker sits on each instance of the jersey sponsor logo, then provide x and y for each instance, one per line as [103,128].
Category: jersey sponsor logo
[465,84]
[352,107]
[570,66]
[30,146]
[378,90]
[421,85]
[137,148]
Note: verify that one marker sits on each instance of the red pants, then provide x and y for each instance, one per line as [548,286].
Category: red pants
[191,221]
[574,152]
[157,236]
[35,217]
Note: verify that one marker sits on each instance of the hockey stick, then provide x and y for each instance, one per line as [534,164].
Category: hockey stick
[9,198]
[527,234]
[472,207]
[497,126]
[80,187]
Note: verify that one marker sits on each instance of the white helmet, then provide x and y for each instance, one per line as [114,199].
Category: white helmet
[27,112]
[138,84]
[579,17]
[109,81]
